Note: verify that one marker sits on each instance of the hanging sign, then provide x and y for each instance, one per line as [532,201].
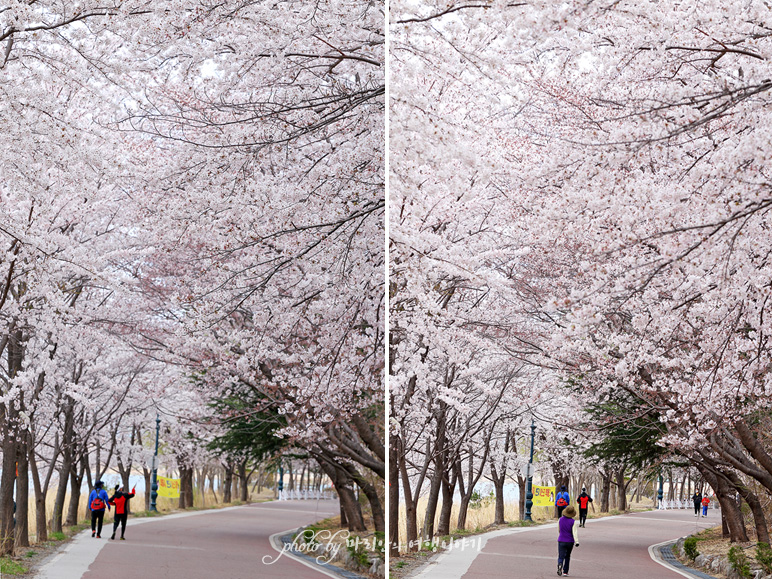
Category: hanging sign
[543,496]
[168,487]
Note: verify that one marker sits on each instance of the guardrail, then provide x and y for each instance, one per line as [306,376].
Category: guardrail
[677,504]
[312,495]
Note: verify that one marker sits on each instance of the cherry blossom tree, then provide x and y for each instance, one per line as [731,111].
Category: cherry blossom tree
[619,150]
[188,190]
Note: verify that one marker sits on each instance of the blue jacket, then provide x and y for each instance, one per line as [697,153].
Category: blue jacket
[102,494]
[564,495]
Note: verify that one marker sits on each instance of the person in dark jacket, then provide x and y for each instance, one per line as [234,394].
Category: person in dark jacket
[697,500]
[120,500]
[97,503]
[562,500]
[583,500]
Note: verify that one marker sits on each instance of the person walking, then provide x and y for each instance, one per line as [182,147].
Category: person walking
[697,500]
[568,538]
[583,500]
[705,505]
[562,500]
[97,503]
[120,500]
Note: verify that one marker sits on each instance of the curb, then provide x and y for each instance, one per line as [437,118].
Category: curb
[283,543]
[662,553]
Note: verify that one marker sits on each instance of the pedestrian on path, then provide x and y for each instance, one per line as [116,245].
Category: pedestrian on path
[705,505]
[568,538]
[583,500]
[562,500]
[697,500]
[97,503]
[120,500]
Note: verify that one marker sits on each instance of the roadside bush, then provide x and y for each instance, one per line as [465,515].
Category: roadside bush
[739,561]
[764,557]
[358,554]
[690,548]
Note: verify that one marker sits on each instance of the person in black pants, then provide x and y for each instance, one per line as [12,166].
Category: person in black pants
[583,500]
[562,500]
[97,503]
[697,500]
[120,500]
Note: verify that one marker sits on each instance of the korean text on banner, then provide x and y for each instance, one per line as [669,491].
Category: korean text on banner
[168,487]
[543,496]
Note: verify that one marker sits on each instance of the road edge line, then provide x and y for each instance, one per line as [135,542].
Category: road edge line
[655,555]
[278,546]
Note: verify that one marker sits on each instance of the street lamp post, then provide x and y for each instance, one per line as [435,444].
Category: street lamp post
[529,483]
[154,479]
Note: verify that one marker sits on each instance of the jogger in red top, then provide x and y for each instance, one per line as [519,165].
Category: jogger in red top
[121,499]
[583,500]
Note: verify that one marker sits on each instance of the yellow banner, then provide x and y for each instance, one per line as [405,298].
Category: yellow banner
[543,496]
[168,487]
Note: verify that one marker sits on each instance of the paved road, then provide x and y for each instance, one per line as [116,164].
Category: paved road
[228,543]
[612,547]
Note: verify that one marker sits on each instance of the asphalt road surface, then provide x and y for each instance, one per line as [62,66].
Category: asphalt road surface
[611,547]
[232,543]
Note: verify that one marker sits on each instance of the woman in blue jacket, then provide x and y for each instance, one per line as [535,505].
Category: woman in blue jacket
[97,503]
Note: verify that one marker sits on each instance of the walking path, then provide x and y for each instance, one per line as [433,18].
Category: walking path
[233,542]
[610,547]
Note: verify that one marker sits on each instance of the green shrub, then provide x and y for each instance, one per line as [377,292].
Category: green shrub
[739,561]
[380,542]
[764,557]
[690,548]
[9,567]
[309,536]
[358,553]
[57,536]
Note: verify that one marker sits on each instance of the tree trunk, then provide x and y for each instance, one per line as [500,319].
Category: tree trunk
[41,522]
[354,518]
[449,481]
[433,501]
[211,484]
[725,494]
[393,498]
[148,475]
[522,483]
[762,532]
[605,491]
[463,509]
[621,488]
[76,478]
[9,414]
[344,485]
[244,481]
[371,492]
[7,483]
[498,485]
[227,483]
[411,504]
[186,487]
[67,462]
[22,493]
